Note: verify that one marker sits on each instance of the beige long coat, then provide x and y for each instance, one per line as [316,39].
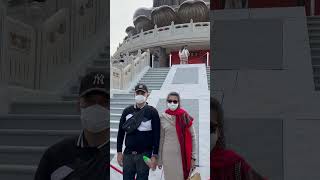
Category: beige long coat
[169,150]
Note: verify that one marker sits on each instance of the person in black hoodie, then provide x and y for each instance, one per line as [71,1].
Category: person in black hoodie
[85,156]
[143,141]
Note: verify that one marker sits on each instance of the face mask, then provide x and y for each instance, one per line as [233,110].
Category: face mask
[213,140]
[95,118]
[173,106]
[140,99]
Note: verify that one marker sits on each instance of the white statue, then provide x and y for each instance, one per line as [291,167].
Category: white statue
[184,55]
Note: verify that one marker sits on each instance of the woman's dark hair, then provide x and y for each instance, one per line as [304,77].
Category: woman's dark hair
[182,48]
[177,95]
[217,107]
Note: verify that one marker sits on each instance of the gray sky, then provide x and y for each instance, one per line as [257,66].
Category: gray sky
[121,14]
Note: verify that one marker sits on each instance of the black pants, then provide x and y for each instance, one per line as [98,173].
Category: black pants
[134,164]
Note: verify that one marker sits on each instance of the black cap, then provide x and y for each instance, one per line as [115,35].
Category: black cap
[141,87]
[94,81]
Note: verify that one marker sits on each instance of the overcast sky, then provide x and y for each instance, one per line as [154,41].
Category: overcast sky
[121,14]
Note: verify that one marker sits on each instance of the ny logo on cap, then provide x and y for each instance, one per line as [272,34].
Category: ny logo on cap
[141,86]
[98,79]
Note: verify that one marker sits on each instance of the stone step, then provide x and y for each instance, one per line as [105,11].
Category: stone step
[45,107]
[22,137]
[155,76]
[116,110]
[23,155]
[152,83]
[113,143]
[126,95]
[113,132]
[120,104]
[316,60]
[43,122]
[122,100]
[114,123]
[17,172]
[315,52]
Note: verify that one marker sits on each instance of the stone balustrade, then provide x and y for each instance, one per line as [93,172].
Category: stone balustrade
[173,34]
[123,75]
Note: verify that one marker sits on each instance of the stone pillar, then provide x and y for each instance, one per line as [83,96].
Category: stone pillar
[161,59]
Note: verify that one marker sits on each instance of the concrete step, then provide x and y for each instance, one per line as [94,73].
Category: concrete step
[45,107]
[155,75]
[113,132]
[17,172]
[120,104]
[23,155]
[126,95]
[43,122]
[22,137]
[116,110]
[122,100]
[115,116]
[114,123]
[145,81]
[153,83]
[315,52]
[316,60]
[113,143]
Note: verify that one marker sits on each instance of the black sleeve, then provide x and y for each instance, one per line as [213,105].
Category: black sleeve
[155,123]
[121,132]
[44,169]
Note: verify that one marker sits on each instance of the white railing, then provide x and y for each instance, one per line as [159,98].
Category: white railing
[122,77]
[55,45]
[2,37]
[38,57]
[20,57]
[172,34]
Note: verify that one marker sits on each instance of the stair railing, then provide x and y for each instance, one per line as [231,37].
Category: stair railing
[124,75]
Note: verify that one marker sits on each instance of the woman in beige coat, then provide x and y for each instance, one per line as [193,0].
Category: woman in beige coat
[177,151]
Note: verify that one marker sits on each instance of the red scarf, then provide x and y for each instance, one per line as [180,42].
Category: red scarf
[184,137]
[223,163]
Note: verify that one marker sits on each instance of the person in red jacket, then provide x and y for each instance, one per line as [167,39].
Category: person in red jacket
[225,164]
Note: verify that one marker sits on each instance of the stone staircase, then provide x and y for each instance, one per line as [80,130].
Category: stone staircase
[314,38]
[31,127]
[154,79]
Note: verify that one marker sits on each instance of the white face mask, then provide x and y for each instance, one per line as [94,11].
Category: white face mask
[173,106]
[213,140]
[95,118]
[140,99]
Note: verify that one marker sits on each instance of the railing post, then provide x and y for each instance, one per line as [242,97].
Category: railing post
[152,61]
[208,59]
[191,25]
[170,60]
[312,7]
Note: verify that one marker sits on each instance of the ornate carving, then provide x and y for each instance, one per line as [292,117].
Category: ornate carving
[196,10]
[142,23]
[163,16]
[20,42]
